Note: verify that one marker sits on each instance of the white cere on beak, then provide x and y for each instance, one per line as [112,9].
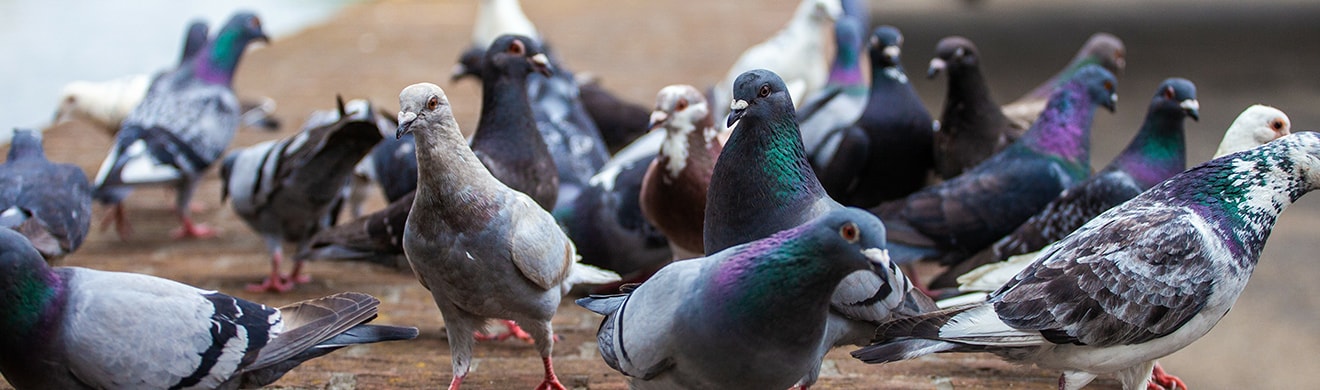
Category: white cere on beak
[1190,104]
[738,104]
[1113,97]
[657,117]
[892,51]
[936,63]
[877,255]
[405,116]
[541,59]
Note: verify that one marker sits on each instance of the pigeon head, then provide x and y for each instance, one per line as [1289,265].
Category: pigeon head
[1255,126]
[851,237]
[28,287]
[952,54]
[217,61]
[846,68]
[1176,95]
[679,108]
[193,40]
[25,144]
[422,101]
[469,64]
[517,54]
[886,45]
[1101,85]
[1103,49]
[761,94]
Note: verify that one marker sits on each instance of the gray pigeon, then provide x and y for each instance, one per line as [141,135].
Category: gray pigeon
[284,189]
[77,328]
[1139,282]
[49,203]
[1102,49]
[483,249]
[184,123]
[748,317]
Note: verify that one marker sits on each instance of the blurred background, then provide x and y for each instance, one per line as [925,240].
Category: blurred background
[1237,53]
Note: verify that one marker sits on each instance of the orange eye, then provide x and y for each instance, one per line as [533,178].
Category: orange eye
[1109,85]
[517,47]
[765,91]
[850,232]
[680,105]
[433,103]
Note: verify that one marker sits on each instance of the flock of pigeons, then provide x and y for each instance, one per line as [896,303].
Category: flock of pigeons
[734,236]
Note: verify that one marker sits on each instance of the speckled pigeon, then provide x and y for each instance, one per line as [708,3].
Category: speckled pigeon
[184,123]
[972,127]
[77,328]
[1156,152]
[952,220]
[283,189]
[1103,49]
[747,317]
[762,183]
[49,203]
[1139,282]
[483,249]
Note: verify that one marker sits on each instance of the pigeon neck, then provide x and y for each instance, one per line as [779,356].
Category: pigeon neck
[453,170]
[1158,151]
[969,93]
[26,147]
[772,149]
[846,69]
[1063,130]
[1241,198]
[506,111]
[762,278]
[685,146]
[216,62]
[30,303]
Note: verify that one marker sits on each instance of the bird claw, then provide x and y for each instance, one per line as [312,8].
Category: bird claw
[194,231]
[551,384]
[1161,380]
[273,285]
[513,331]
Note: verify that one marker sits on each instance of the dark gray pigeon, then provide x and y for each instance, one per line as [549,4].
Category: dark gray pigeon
[762,183]
[748,317]
[49,203]
[373,238]
[77,328]
[483,249]
[194,38]
[1102,49]
[972,127]
[1157,152]
[184,123]
[285,189]
[1139,282]
[619,121]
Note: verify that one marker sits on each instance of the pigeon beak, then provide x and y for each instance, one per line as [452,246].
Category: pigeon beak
[736,110]
[263,38]
[1112,104]
[878,257]
[406,120]
[1192,107]
[542,64]
[458,72]
[657,118]
[891,53]
[936,66]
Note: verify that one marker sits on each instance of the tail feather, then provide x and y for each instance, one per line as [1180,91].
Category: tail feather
[311,322]
[902,349]
[925,325]
[587,274]
[603,304]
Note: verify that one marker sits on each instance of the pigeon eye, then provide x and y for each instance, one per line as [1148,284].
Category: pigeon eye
[680,105]
[433,103]
[254,23]
[849,232]
[1168,93]
[765,91]
[1109,85]
[1276,124]
[517,47]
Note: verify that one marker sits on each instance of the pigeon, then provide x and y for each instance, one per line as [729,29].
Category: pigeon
[180,128]
[49,203]
[391,165]
[483,249]
[972,127]
[1157,152]
[824,116]
[890,153]
[78,328]
[619,121]
[1256,125]
[1139,282]
[1103,49]
[859,10]
[194,38]
[673,193]
[762,183]
[279,187]
[606,222]
[747,317]
[499,17]
[375,238]
[952,220]
[796,53]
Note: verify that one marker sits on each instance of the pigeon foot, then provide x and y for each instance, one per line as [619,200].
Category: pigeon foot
[1161,380]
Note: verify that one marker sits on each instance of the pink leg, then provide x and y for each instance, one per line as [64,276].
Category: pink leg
[551,381]
[1161,380]
[297,277]
[275,282]
[188,229]
[514,331]
[116,216]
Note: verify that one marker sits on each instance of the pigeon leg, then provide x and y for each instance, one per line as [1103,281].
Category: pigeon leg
[551,381]
[182,206]
[513,330]
[1161,380]
[545,343]
[456,382]
[297,277]
[275,282]
[116,216]
[189,229]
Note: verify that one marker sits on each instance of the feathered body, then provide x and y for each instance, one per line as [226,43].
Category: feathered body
[49,203]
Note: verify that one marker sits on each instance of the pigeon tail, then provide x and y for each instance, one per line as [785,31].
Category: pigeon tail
[903,349]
